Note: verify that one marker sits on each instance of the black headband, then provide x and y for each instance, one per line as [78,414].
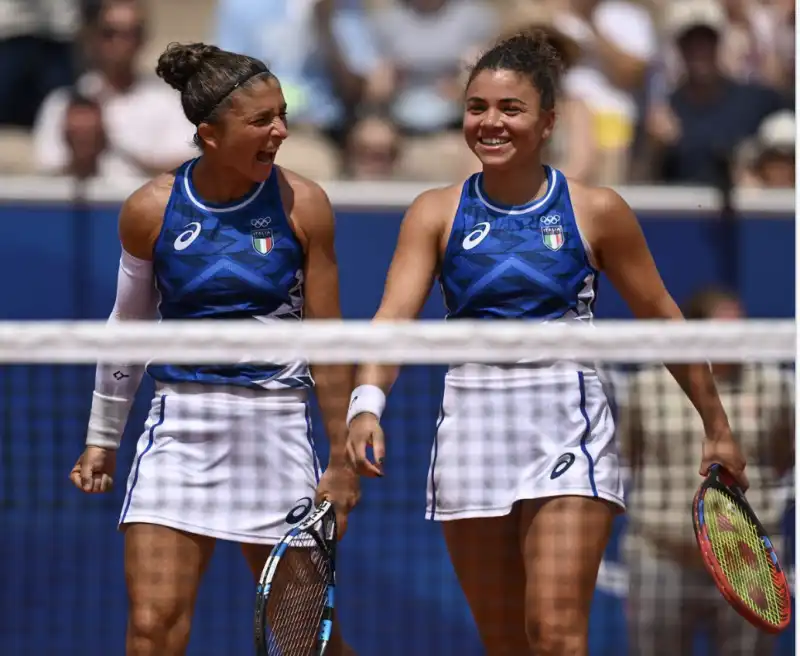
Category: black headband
[243,80]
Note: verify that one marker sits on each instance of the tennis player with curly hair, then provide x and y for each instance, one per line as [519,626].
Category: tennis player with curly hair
[525,472]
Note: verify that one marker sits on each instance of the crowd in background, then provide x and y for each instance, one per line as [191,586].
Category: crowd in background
[665,91]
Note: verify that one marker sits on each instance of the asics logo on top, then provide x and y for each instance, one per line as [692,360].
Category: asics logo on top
[478,234]
[185,239]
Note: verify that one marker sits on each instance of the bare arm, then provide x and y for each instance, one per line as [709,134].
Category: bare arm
[407,286]
[622,252]
[410,276]
[142,216]
[314,217]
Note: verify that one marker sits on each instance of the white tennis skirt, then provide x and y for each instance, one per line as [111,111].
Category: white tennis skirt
[508,433]
[225,462]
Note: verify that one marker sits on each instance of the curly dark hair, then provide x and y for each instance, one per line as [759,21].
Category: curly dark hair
[206,77]
[532,55]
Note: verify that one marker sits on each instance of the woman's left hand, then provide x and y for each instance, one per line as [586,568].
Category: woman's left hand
[341,486]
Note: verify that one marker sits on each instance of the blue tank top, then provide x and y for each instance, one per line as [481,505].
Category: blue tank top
[517,262]
[239,260]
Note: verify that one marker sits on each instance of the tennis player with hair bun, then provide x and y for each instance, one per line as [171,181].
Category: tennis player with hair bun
[227,451]
[525,473]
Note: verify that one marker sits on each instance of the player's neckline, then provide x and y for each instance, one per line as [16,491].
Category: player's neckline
[208,206]
[532,205]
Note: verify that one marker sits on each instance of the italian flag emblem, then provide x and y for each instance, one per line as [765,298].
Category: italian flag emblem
[552,231]
[262,241]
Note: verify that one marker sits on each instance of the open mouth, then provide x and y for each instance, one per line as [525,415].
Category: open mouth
[265,156]
[494,141]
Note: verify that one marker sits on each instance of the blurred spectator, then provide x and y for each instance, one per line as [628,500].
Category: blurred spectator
[372,148]
[84,136]
[785,17]
[424,45]
[36,54]
[323,53]
[146,130]
[753,45]
[671,594]
[749,46]
[708,114]
[572,147]
[768,159]
[618,41]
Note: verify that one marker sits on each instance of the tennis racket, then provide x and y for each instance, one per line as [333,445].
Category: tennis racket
[295,594]
[739,554]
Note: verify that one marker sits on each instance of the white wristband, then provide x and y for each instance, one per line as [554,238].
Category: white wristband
[366,398]
[107,421]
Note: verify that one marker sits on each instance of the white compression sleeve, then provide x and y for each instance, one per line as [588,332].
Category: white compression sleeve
[116,384]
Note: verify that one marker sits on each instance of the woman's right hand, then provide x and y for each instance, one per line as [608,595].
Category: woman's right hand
[365,430]
[94,471]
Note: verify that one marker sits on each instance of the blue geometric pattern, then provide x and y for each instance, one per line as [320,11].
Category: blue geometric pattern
[517,262]
[234,261]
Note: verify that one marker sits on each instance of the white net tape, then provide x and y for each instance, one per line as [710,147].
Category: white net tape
[409,342]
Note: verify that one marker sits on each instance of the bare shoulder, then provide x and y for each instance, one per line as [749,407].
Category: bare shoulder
[142,215]
[594,202]
[152,195]
[307,207]
[434,208]
[299,192]
[603,217]
[439,197]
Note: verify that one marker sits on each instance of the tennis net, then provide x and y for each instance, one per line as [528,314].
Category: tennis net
[61,558]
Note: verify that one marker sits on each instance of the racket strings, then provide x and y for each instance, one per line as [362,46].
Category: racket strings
[295,605]
[743,557]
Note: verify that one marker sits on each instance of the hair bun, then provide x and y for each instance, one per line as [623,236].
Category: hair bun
[179,62]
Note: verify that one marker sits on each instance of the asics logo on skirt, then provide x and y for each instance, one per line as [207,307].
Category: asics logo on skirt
[563,463]
[300,510]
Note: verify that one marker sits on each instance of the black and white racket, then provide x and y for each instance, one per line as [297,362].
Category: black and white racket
[295,594]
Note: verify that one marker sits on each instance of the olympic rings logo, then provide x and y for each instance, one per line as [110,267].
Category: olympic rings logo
[260,223]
